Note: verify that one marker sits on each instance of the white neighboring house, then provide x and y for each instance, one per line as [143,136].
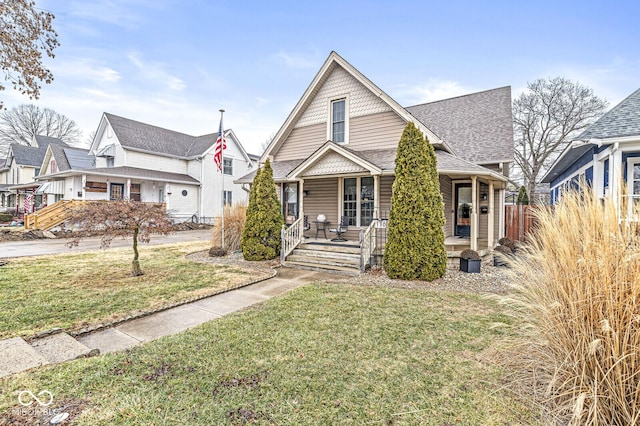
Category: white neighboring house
[142,162]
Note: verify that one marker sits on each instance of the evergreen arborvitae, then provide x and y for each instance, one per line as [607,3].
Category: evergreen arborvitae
[261,233]
[523,198]
[415,238]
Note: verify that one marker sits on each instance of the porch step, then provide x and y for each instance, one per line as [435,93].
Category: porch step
[334,248]
[322,268]
[324,261]
[352,257]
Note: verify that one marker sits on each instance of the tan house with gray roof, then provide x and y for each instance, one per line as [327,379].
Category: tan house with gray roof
[335,153]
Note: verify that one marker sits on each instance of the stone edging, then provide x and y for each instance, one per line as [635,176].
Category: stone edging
[110,324]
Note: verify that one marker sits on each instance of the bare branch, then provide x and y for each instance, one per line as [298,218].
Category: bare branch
[20,124]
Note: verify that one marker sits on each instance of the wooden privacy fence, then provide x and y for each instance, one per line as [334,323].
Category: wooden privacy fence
[519,221]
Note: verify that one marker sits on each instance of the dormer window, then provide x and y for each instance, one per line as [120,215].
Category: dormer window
[338,109]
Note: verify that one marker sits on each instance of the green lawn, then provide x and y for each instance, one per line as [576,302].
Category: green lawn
[322,354]
[79,289]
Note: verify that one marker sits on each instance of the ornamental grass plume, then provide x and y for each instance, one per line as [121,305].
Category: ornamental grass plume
[579,305]
[234,219]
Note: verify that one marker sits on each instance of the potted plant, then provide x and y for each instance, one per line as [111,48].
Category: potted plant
[470,261]
[508,242]
[500,255]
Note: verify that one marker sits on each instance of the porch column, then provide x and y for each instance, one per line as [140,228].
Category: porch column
[490,218]
[616,177]
[376,196]
[127,190]
[301,196]
[474,213]
[84,185]
[501,195]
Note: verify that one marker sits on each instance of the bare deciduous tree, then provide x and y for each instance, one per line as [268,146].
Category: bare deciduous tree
[25,34]
[20,124]
[121,218]
[546,116]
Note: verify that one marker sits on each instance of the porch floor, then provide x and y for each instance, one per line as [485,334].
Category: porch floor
[453,245]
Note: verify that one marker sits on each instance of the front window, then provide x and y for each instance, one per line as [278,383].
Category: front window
[228,166]
[53,166]
[290,202]
[358,200]
[338,121]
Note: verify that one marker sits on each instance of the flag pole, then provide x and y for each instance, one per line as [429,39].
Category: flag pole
[222,171]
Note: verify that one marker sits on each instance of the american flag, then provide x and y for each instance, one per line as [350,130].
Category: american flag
[28,203]
[221,144]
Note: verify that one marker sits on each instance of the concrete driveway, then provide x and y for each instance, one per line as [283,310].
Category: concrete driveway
[39,247]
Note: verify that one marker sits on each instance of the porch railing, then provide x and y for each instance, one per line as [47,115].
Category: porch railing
[50,216]
[367,244]
[291,238]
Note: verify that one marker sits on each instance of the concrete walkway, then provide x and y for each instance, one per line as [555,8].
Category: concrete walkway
[40,247]
[18,355]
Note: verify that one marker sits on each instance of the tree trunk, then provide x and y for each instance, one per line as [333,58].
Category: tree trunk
[135,265]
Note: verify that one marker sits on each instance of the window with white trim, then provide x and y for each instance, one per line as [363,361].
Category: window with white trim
[228,197]
[338,120]
[358,199]
[227,167]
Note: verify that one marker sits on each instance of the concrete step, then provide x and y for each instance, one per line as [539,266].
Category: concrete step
[322,268]
[330,261]
[17,355]
[327,254]
[342,248]
[60,347]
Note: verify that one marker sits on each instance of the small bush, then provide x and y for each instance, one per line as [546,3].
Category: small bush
[234,219]
[579,303]
[6,217]
[503,250]
[217,252]
[505,241]
[469,254]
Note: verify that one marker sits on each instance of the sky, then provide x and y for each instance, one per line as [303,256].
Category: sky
[175,63]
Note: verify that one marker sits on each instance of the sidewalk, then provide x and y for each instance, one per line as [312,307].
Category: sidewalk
[18,355]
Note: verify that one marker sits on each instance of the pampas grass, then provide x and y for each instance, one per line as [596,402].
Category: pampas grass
[234,218]
[579,304]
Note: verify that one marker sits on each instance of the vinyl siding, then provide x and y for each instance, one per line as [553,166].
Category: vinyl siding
[155,162]
[322,199]
[386,187]
[376,131]
[302,142]
[447,198]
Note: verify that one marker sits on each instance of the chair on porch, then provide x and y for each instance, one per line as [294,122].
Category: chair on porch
[342,227]
[305,225]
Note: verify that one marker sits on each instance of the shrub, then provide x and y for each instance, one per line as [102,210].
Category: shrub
[415,239]
[503,250]
[505,241]
[234,220]
[261,234]
[579,298]
[469,254]
[5,217]
[523,198]
[217,251]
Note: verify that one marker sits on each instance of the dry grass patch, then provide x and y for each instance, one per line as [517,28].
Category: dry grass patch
[79,289]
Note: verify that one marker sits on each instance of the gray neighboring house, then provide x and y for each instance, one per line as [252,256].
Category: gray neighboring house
[606,155]
[19,171]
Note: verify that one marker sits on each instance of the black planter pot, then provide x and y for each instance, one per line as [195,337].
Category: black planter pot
[470,266]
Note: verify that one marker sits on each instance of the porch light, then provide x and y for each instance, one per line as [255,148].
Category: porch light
[484,195]
[305,193]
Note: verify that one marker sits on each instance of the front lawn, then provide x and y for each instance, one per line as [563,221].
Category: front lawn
[322,354]
[79,289]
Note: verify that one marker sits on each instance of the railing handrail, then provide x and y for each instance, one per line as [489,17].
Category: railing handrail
[291,238]
[367,244]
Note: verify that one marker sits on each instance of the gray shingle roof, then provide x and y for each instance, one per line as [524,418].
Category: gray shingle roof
[134,172]
[622,120]
[145,137]
[33,156]
[79,158]
[61,160]
[478,127]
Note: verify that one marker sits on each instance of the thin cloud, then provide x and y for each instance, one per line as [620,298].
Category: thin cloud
[432,90]
[297,61]
[154,72]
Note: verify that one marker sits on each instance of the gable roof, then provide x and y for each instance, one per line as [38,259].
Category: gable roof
[139,136]
[620,121]
[334,60]
[32,156]
[478,127]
